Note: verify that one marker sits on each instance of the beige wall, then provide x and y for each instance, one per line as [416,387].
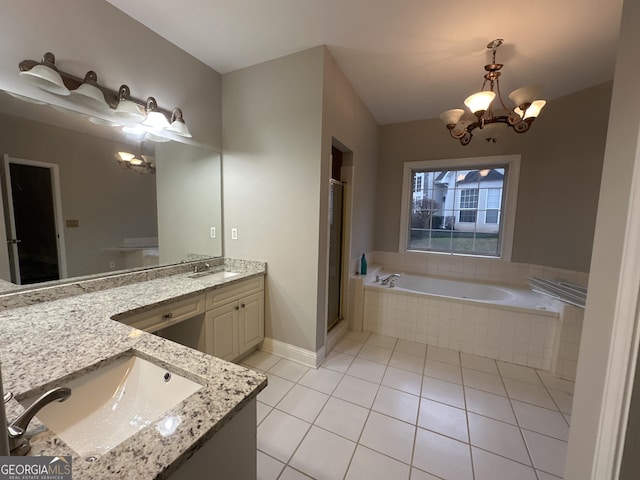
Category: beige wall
[347,121]
[109,202]
[271,182]
[93,35]
[559,177]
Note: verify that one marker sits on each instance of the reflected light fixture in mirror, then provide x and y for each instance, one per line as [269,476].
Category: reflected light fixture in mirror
[45,75]
[90,93]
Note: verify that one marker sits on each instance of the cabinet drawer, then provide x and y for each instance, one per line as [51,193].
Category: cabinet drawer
[167,315]
[223,295]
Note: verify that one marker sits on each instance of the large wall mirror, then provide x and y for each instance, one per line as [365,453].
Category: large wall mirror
[70,209]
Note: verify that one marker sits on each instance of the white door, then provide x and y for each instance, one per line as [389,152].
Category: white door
[34,221]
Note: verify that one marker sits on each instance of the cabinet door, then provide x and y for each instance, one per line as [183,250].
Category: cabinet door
[251,321]
[222,331]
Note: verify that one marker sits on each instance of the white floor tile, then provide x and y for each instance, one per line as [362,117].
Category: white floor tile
[541,420]
[343,418]
[488,466]
[291,474]
[406,361]
[402,380]
[443,355]
[367,370]
[529,393]
[262,410]
[375,354]
[268,468]
[548,454]
[323,455]
[443,419]
[382,341]
[389,436]
[563,400]
[420,475]
[261,360]
[303,402]
[276,389]
[476,362]
[497,437]
[280,434]
[556,383]
[443,371]
[356,391]
[442,456]
[483,381]
[441,391]
[411,348]
[489,405]
[397,404]
[321,379]
[357,336]
[370,465]
[519,372]
[337,361]
[289,370]
[347,346]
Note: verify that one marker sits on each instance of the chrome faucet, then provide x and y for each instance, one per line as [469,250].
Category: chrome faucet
[389,278]
[18,442]
[201,267]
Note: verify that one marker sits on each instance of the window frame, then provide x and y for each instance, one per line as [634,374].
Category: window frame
[509,198]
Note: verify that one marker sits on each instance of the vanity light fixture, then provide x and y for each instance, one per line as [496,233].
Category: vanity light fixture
[89,92]
[155,119]
[47,76]
[128,108]
[177,124]
[484,121]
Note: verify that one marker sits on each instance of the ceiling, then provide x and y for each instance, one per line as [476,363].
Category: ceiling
[407,59]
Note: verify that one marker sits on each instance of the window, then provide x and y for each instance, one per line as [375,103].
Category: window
[461,208]
[417,183]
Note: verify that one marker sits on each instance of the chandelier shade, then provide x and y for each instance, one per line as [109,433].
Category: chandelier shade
[489,116]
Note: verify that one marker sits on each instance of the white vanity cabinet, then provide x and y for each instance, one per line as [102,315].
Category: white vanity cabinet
[234,320]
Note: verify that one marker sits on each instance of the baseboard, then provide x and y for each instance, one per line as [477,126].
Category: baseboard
[291,352]
[335,334]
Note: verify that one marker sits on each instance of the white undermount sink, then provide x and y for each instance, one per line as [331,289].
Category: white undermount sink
[112,403]
[214,275]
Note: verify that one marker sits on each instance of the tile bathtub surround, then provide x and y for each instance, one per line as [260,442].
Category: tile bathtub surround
[78,286]
[441,415]
[74,335]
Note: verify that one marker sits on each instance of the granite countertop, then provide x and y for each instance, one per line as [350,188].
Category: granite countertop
[48,344]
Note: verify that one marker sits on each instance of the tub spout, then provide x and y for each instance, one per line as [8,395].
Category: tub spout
[389,278]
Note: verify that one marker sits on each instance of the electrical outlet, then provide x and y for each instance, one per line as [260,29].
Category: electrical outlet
[213,232]
[112,264]
[234,234]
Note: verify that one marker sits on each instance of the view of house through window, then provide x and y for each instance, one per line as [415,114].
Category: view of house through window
[457,211]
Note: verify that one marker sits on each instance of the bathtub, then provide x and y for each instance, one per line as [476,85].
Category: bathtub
[505,323]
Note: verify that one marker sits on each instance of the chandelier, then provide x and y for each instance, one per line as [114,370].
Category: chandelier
[486,120]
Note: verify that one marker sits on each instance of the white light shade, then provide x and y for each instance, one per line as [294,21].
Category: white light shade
[490,130]
[137,131]
[136,161]
[91,95]
[534,110]
[129,110]
[45,78]
[179,128]
[479,102]
[154,137]
[27,99]
[156,120]
[126,156]
[525,95]
[451,117]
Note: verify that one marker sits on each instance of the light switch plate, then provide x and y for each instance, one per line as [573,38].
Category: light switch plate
[234,234]
[213,232]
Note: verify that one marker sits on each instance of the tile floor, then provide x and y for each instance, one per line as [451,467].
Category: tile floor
[382,408]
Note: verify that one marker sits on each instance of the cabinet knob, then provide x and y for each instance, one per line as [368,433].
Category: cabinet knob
[167,316]
[237,307]
[242,305]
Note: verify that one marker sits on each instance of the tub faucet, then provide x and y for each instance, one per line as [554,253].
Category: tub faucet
[389,278]
[18,442]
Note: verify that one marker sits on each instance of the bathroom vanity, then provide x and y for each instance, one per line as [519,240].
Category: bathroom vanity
[47,342]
